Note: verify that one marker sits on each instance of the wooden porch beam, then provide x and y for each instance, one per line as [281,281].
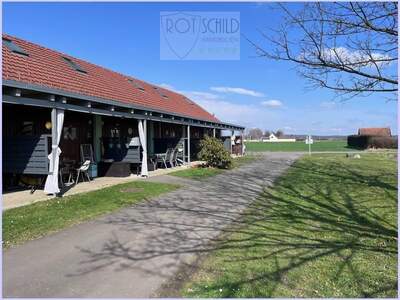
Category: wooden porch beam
[87,107]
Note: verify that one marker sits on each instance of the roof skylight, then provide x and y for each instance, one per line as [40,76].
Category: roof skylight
[13,47]
[188,100]
[159,91]
[136,84]
[74,65]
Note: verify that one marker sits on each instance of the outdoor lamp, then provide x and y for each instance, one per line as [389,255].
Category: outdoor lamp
[47,125]
[17,92]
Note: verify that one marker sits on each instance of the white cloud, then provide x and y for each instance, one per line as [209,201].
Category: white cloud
[336,129]
[316,119]
[245,114]
[166,86]
[249,115]
[196,95]
[316,123]
[272,103]
[193,95]
[236,90]
[327,104]
[356,57]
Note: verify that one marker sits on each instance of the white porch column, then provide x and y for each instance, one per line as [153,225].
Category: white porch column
[142,136]
[53,140]
[57,121]
[53,134]
[188,139]
[213,132]
[242,139]
[145,138]
[232,139]
[183,139]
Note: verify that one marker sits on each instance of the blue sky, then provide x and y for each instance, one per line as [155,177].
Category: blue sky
[252,91]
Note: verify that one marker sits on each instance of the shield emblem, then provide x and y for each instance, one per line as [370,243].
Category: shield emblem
[181,32]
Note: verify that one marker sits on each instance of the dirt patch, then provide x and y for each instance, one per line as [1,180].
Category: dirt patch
[131,190]
[172,288]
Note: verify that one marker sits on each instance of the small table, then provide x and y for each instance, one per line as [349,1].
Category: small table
[162,156]
[153,161]
[67,167]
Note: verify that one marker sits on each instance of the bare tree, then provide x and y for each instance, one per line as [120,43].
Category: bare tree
[348,47]
[279,133]
[255,133]
[267,133]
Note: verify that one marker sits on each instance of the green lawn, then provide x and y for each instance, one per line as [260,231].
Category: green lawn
[298,146]
[36,220]
[328,228]
[242,160]
[200,173]
[197,173]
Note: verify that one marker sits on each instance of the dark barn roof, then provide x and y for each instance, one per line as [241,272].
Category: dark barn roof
[374,131]
[34,65]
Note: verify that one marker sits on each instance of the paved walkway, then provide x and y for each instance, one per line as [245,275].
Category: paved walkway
[24,197]
[133,252]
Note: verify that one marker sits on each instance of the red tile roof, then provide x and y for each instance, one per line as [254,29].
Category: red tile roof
[45,67]
[375,131]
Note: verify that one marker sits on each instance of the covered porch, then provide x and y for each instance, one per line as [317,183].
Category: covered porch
[38,125]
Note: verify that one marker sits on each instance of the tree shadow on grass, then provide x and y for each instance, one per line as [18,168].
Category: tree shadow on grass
[296,226]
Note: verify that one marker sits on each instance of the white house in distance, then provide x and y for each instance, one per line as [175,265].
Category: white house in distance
[272,138]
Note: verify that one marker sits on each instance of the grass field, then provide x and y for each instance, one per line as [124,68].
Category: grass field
[197,173]
[328,228]
[200,173]
[242,160]
[298,146]
[36,220]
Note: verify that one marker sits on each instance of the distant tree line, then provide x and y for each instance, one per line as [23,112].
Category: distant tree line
[257,133]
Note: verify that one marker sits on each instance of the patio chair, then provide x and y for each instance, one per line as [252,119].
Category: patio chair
[162,158]
[179,156]
[172,158]
[84,170]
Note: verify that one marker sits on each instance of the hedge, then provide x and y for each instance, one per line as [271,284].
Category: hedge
[365,141]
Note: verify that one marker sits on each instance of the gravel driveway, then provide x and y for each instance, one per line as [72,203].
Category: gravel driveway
[133,252]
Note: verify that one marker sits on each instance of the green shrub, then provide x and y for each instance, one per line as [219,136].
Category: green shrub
[212,151]
[365,141]
[386,142]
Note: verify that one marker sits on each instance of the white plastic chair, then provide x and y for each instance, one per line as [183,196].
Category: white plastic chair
[163,158]
[84,171]
[172,157]
[179,156]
